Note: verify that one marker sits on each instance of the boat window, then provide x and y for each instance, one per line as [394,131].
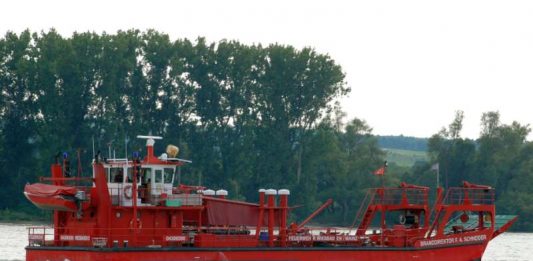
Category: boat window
[146,175]
[116,175]
[158,176]
[107,176]
[130,176]
[487,219]
[169,172]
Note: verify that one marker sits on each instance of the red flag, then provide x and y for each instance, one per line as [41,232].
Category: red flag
[380,171]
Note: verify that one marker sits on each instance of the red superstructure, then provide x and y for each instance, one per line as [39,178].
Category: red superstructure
[130,210]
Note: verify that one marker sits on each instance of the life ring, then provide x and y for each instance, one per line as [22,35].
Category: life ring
[403,219]
[128,192]
[139,223]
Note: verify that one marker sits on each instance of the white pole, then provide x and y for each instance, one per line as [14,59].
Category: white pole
[438,170]
[126,149]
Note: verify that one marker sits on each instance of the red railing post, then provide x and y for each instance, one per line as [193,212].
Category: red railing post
[261,213]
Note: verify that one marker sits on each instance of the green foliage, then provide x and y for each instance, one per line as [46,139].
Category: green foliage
[339,166]
[501,158]
[246,115]
[25,215]
[519,194]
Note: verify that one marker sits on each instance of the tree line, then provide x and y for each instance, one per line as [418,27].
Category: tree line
[501,157]
[242,113]
[248,116]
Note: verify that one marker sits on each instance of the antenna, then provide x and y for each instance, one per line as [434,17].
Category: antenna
[93,148]
[149,139]
[109,149]
[126,139]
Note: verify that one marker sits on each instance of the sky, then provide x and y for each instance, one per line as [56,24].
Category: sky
[410,64]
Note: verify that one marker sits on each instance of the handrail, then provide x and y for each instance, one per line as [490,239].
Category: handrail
[410,194]
[315,213]
[470,195]
[394,196]
[364,206]
[66,179]
[159,237]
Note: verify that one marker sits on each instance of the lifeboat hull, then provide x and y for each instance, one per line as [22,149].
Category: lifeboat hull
[51,197]
[466,252]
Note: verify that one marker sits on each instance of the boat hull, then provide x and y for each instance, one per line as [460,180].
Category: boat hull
[465,252]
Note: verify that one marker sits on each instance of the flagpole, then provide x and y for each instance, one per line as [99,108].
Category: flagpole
[438,170]
[385,165]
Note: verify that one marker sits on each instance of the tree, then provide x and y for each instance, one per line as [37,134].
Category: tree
[454,130]
[517,197]
[489,123]
[18,113]
[339,165]
[454,154]
[499,147]
[500,158]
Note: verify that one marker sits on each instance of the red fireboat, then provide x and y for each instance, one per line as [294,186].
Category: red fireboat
[130,210]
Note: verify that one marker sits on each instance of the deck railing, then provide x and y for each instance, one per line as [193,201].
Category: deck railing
[212,237]
[479,196]
[395,196]
[119,197]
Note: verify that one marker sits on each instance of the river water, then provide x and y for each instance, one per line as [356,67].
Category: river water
[506,247]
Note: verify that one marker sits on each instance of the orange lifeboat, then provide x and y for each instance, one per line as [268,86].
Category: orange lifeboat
[52,197]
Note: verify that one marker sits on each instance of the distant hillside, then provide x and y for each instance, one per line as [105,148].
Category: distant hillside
[405,158]
[403,143]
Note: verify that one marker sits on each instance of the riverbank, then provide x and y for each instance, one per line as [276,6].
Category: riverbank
[14,216]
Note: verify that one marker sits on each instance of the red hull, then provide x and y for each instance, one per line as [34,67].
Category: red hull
[456,253]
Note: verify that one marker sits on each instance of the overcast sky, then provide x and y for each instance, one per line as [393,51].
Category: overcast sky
[410,64]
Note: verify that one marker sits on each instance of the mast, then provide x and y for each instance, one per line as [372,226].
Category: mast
[134,192]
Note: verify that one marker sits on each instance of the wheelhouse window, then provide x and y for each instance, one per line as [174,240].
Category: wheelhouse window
[130,175]
[168,175]
[158,176]
[116,175]
[146,175]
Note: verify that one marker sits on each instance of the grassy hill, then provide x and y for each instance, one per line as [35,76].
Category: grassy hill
[403,142]
[405,158]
